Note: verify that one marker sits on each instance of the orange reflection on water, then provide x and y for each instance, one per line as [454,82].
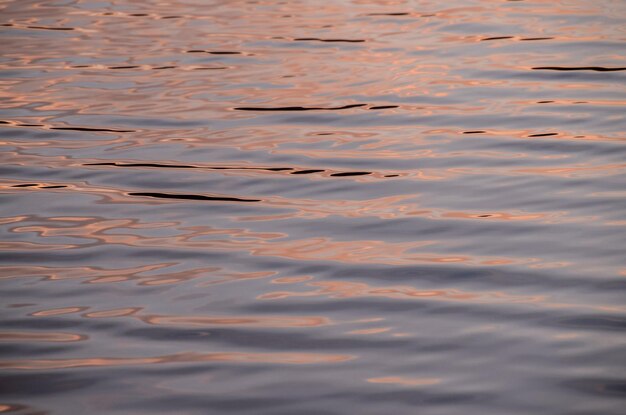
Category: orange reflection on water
[4,408]
[118,312]
[257,243]
[342,289]
[291,280]
[277,358]
[576,171]
[97,274]
[235,321]
[14,336]
[30,246]
[126,232]
[207,321]
[59,311]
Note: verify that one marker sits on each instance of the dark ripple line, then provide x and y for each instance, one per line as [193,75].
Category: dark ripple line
[191,197]
[389,14]
[542,135]
[307,171]
[496,38]
[214,52]
[383,107]
[110,130]
[174,166]
[188,166]
[154,67]
[252,168]
[184,166]
[39,185]
[50,28]
[351,173]
[345,107]
[316,39]
[579,68]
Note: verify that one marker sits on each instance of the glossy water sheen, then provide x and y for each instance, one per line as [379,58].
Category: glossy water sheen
[313,207]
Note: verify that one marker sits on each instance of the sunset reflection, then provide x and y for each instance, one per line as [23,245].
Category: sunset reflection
[180,358]
[307,207]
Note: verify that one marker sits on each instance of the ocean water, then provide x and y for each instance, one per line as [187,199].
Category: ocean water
[313,207]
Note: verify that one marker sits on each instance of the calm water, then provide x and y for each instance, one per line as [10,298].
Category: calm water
[313,207]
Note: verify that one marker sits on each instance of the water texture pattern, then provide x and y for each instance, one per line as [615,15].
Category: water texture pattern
[313,207]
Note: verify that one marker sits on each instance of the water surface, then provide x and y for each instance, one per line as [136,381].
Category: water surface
[312,207]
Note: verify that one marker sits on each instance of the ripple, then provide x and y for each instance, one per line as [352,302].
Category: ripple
[316,39]
[579,68]
[344,107]
[110,130]
[497,38]
[238,321]
[179,358]
[192,197]
[312,207]
[40,337]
